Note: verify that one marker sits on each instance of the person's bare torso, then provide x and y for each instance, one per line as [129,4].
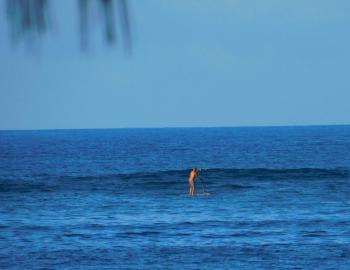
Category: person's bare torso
[193,176]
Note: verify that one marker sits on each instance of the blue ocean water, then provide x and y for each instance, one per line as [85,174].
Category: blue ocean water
[268,198]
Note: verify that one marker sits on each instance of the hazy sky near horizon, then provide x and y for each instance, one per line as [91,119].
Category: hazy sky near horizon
[194,63]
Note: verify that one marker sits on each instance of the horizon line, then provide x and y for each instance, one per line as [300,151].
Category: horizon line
[179,127]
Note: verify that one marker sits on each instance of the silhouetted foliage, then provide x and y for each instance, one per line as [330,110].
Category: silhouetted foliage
[30,18]
[27,17]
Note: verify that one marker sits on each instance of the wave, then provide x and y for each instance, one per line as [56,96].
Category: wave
[227,179]
[267,173]
[255,173]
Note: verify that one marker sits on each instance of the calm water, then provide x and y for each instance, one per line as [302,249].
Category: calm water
[116,199]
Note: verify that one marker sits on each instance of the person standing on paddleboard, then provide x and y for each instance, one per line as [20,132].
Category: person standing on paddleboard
[193,175]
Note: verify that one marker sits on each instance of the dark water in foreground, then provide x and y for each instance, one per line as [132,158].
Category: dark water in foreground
[116,199]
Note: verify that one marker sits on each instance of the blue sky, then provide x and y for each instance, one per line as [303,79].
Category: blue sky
[194,63]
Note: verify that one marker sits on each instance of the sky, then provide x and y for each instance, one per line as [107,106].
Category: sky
[193,64]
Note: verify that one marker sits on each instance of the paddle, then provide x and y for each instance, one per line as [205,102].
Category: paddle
[203,183]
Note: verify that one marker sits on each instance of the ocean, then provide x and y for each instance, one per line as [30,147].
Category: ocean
[267,198]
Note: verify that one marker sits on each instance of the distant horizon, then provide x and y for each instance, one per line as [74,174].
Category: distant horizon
[182,127]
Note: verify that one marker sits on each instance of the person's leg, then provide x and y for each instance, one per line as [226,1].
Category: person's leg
[191,188]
